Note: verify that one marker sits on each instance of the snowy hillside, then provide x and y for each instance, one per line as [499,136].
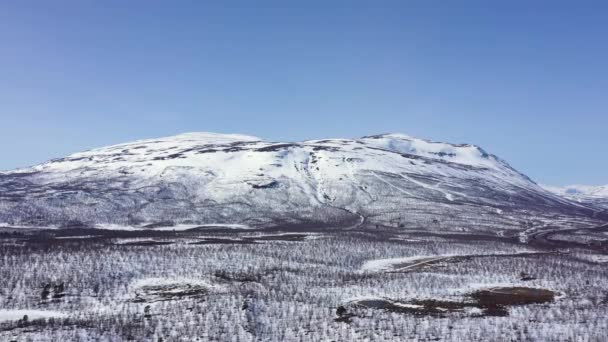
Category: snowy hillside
[205,178]
[591,195]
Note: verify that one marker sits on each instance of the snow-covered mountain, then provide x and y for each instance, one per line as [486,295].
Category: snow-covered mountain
[590,195]
[206,178]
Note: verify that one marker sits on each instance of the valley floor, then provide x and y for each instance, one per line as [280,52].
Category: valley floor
[302,285]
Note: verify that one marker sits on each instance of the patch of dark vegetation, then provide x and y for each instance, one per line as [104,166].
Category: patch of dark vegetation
[276,147]
[145,243]
[523,276]
[28,324]
[443,154]
[156,293]
[49,240]
[270,185]
[73,159]
[279,237]
[243,277]
[207,150]
[74,224]
[227,150]
[494,301]
[147,312]
[223,241]
[52,291]
[171,156]
[235,149]
[343,315]
[491,302]
[326,148]
[440,307]
[8,233]
[92,234]
[250,276]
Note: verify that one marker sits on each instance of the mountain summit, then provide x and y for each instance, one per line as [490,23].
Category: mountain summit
[388,180]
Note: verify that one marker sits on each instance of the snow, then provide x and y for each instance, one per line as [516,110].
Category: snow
[380,265]
[599,258]
[473,310]
[239,178]
[462,154]
[153,156]
[211,137]
[575,191]
[392,185]
[15,315]
[408,306]
[110,226]
[363,298]
[447,195]
[584,194]
[374,298]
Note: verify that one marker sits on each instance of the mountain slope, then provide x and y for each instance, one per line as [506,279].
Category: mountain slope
[205,178]
[590,195]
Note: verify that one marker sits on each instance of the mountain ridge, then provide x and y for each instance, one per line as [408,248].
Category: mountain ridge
[390,180]
[595,195]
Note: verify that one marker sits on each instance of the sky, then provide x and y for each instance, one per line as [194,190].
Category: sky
[526,80]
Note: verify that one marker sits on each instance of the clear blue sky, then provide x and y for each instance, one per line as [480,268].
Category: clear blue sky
[526,80]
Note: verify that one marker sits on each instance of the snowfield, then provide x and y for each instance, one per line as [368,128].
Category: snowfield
[591,195]
[382,265]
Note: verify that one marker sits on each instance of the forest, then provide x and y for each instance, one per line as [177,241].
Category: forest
[298,285]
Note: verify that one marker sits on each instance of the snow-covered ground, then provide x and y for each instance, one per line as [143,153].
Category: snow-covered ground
[580,191]
[293,291]
[595,195]
[381,265]
[407,263]
[207,179]
[15,315]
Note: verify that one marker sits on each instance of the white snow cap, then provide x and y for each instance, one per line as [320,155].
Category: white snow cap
[590,191]
[213,137]
[457,153]
[191,137]
[151,157]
